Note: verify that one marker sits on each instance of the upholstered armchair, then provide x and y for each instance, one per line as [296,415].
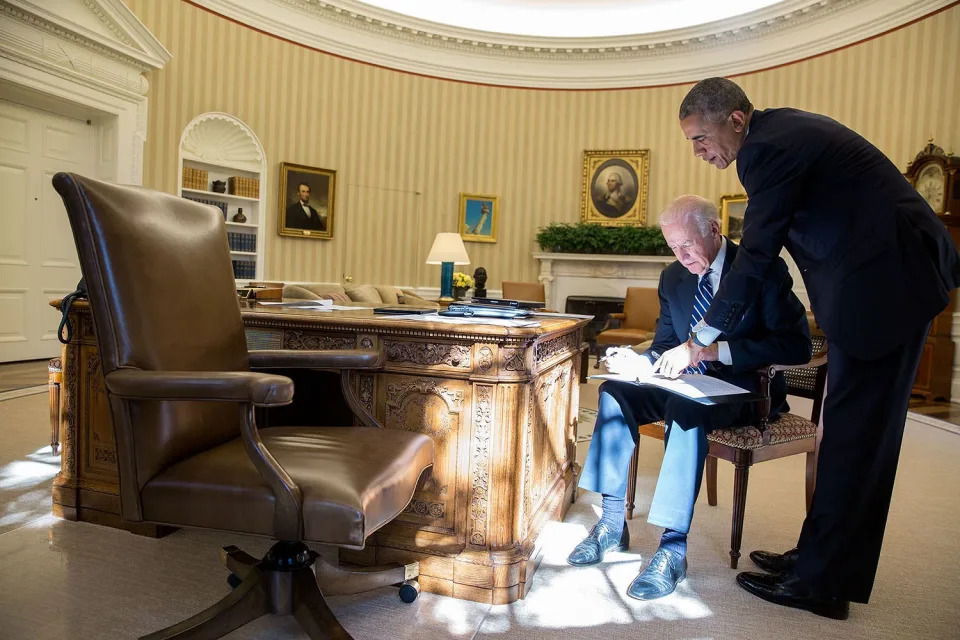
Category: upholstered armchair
[182,396]
[636,325]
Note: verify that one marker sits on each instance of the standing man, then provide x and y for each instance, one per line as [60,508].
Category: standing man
[878,266]
[300,215]
[774,331]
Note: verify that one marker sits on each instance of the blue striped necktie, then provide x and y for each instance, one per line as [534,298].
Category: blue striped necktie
[701,302]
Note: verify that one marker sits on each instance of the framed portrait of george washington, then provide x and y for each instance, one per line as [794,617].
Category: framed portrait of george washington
[306,201]
[732,208]
[478,217]
[615,185]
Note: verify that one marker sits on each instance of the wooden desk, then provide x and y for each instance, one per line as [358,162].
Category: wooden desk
[501,404]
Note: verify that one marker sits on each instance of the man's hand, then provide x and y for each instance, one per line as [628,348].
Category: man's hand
[673,362]
[626,361]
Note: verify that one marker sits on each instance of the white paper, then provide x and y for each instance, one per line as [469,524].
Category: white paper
[687,385]
[499,322]
[577,316]
[305,304]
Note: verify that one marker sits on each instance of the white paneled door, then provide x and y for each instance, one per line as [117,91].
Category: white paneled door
[38,260]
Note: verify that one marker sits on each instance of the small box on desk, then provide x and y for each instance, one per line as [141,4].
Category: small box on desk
[253,292]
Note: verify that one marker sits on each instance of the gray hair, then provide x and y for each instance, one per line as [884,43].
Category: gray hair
[616,178]
[714,99]
[691,209]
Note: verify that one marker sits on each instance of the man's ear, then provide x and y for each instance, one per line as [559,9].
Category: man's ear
[739,120]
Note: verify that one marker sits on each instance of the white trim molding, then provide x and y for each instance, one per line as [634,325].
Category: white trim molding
[85,58]
[784,32]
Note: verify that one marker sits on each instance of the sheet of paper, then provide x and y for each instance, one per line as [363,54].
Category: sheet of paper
[499,322]
[308,304]
[688,385]
[552,314]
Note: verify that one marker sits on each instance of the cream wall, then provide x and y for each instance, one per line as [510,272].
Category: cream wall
[405,146]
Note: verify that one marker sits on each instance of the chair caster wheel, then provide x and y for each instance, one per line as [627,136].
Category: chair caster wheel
[234,580]
[409,591]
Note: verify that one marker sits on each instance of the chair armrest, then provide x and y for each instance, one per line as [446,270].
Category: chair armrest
[261,389]
[817,360]
[613,321]
[290,359]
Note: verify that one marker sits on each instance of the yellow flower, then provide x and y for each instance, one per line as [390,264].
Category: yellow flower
[462,280]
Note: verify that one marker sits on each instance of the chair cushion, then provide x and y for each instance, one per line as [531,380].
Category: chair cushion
[299,293]
[624,336]
[353,481]
[336,297]
[364,293]
[389,295]
[787,428]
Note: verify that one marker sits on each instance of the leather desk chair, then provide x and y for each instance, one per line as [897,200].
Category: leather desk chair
[744,446]
[182,397]
[636,325]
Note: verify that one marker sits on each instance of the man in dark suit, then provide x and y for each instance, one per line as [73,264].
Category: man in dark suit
[775,330]
[300,215]
[878,266]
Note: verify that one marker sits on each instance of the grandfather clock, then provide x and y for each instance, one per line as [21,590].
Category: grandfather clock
[936,176]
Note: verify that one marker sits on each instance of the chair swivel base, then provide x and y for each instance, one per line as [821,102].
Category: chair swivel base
[284,583]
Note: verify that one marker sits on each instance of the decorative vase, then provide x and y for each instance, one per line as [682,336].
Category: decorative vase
[459,293]
[240,217]
[219,186]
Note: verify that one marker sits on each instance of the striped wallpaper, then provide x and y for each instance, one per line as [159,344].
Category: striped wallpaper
[404,146]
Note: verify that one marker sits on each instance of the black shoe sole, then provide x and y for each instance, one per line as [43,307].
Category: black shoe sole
[832,610]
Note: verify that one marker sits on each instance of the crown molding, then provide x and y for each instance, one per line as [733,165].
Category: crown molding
[782,33]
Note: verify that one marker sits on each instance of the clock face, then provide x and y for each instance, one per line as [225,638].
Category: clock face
[930,184]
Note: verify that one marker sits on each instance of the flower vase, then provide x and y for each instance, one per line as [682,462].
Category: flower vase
[459,293]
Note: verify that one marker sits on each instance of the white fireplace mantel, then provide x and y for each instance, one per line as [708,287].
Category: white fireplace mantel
[573,274]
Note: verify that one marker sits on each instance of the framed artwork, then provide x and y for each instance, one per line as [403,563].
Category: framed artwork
[478,217]
[306,201]
[614,190]
[732,208]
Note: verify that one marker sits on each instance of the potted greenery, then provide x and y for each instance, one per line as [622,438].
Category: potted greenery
[562,237]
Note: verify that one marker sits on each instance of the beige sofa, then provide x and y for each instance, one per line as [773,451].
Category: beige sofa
[377,294]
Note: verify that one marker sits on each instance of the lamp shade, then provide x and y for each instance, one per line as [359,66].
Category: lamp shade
[448,247]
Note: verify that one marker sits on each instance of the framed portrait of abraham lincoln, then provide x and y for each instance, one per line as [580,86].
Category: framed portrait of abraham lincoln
[306,207]
[614,187]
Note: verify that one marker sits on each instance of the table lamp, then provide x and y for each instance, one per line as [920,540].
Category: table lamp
[447,250]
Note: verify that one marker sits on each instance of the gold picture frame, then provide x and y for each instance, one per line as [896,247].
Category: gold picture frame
[614,187]
[315,217]
[479,217]
[732,208]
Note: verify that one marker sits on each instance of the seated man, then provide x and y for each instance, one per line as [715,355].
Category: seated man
[774,330]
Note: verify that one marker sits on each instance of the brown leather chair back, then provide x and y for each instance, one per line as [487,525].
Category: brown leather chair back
[532,291]
[163,298]
[641,308]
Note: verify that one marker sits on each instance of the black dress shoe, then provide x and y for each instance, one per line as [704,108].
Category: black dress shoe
[598,542]
[660,578]
[774,562]
[788,590]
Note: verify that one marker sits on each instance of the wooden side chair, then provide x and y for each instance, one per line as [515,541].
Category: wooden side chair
[636,325]
[744,446]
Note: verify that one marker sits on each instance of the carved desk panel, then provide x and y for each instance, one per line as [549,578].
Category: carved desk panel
[499,402]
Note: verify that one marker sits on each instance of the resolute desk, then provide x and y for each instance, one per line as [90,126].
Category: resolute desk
[500,402]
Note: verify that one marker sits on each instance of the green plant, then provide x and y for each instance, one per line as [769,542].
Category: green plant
[582,237]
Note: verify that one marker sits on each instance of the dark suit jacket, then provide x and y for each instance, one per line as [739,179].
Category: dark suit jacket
[773,331]
[297,219]
[877,262]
